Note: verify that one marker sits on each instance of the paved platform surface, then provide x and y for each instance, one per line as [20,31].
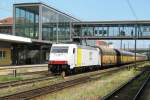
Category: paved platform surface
[7,70]
[23,66]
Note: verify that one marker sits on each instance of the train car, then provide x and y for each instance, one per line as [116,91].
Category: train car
[126,57]
[108,56]
[140,57]
[66,57]
[129,57]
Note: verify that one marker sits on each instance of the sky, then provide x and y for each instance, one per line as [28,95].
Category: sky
[92,10]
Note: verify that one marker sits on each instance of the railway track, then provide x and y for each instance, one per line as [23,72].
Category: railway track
[59,86]
[55,87]
[132,89]
[140,95]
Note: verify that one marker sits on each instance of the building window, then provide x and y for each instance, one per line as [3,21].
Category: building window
[27,22]
[2,54]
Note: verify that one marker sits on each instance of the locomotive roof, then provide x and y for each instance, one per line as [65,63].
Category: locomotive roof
[81,46]
[107,49]
[104,49]
[125,52]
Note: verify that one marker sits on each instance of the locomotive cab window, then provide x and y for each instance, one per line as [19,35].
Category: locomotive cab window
[59,49]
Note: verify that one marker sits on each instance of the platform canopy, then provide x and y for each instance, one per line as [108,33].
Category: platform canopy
[12,38]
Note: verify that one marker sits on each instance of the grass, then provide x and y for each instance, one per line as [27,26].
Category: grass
[91,90]
[94,89]
[10,78]
[6,78]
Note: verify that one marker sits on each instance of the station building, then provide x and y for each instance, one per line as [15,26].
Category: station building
[6,25]
[36,26]
[5,51]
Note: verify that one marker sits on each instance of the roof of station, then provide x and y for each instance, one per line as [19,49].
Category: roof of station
[6,21]
[16,39]
[130,22]
[41,3]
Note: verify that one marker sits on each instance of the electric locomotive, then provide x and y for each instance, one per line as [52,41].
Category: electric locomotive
[66,57]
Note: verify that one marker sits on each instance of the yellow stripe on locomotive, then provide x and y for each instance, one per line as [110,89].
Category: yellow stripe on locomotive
[79,57]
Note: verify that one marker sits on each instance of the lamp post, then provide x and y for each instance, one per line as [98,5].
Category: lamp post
[149,52]
[128,46]
[135,44]
[121,45]
[124,46]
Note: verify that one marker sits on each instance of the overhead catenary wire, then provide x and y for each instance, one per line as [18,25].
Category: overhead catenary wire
[132,9]
[134,15]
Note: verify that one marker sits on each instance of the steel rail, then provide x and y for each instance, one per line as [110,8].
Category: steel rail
[120,87]
[141,88]
[23,82]
[111,94]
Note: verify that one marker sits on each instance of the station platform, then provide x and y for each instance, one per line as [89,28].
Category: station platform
[20,69]
[22,66]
